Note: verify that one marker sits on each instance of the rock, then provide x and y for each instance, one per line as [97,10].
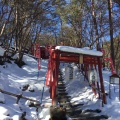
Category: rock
[57,113]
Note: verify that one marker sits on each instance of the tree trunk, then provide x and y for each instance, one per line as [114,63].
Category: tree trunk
[16,24]
[111,30]
[95,24]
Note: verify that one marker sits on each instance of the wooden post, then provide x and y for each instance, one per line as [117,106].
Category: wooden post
[97,84]
[55,77]
[98,90]
[101,80]
[53,95]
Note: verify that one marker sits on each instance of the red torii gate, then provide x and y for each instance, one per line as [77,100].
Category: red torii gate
[76,55]
[109,59]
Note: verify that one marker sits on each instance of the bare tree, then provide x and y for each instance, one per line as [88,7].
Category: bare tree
[111,30]
[95,24]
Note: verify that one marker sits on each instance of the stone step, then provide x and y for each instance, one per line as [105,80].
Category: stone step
[77,105]
[61,90]
[90,110]
[61,83]
[60,80]
[61,87]
[74,111]
[63,100]
[62,94]
[65,104]
[89,117]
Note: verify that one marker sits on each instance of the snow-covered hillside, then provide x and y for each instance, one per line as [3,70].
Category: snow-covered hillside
[14,79]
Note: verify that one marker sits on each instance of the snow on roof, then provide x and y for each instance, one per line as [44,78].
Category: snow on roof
[79,50]
[2,51]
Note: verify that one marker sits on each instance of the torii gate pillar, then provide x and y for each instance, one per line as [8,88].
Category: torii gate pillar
[101,81]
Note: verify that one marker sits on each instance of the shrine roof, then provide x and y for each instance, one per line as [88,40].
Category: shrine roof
[84,51]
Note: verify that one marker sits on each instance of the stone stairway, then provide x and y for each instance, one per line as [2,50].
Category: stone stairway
[74,110]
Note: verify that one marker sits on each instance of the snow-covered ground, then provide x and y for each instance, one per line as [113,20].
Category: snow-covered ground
[13,79]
